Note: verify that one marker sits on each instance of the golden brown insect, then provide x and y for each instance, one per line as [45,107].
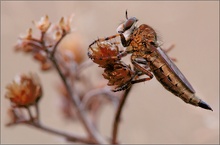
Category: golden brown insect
[141,42]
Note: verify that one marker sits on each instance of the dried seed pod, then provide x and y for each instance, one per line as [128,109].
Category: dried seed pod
[104,54]
[118,74]
[25,90]
[43,24]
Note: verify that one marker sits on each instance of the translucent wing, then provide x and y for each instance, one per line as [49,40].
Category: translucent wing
[175,69]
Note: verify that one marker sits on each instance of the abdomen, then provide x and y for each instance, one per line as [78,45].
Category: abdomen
[169,80]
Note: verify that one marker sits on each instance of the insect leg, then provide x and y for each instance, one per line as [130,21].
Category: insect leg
[141,61]
[103,39]
[119,56]
[124,87]
[139,67]
[167,50]
[140,80]
[128,84]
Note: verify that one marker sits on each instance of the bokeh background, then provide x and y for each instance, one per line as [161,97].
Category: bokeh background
[152,114]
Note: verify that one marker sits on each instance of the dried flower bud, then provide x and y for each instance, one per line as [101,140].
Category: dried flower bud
[104,54]
[118,74]
[62,23]
[29,34]
[43,24]
[25,90]
[65,24]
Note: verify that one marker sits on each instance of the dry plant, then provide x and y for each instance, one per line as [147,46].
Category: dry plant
[82,104]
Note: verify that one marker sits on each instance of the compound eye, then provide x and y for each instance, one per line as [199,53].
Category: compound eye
[129,23]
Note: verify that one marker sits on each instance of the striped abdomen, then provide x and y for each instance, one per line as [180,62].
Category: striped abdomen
[172,79]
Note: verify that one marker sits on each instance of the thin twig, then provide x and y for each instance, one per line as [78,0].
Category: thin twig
[58,42]
[69,137]
[118,115]
[37,112]
[29,113]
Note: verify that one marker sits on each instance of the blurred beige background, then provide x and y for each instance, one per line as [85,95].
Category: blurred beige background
[151,115]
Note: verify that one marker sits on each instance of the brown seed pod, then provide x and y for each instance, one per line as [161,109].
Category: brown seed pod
[104,53]
[118,74]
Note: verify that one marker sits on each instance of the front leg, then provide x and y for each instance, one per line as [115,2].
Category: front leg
[124,42]
[103,39]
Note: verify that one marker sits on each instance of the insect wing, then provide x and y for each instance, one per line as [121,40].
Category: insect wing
[175,69]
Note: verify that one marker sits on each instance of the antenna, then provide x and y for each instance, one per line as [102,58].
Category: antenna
[126,14]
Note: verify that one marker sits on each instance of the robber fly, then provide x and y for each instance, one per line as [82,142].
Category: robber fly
[141,42]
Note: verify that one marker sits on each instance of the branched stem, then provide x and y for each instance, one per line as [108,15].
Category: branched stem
[58,42]
[118,115]
[76,102]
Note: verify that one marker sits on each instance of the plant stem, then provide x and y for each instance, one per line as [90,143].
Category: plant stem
[118,115]
[69,137]
[37,111]
[29,113]
[90,128]
[58,42]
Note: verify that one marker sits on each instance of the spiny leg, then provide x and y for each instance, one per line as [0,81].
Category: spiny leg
[140,80]
[139,67]
[123,40]
[167,50]
[141,61]
[119,56]
[121,53]
[129,83]
[104,39]
[124,87]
